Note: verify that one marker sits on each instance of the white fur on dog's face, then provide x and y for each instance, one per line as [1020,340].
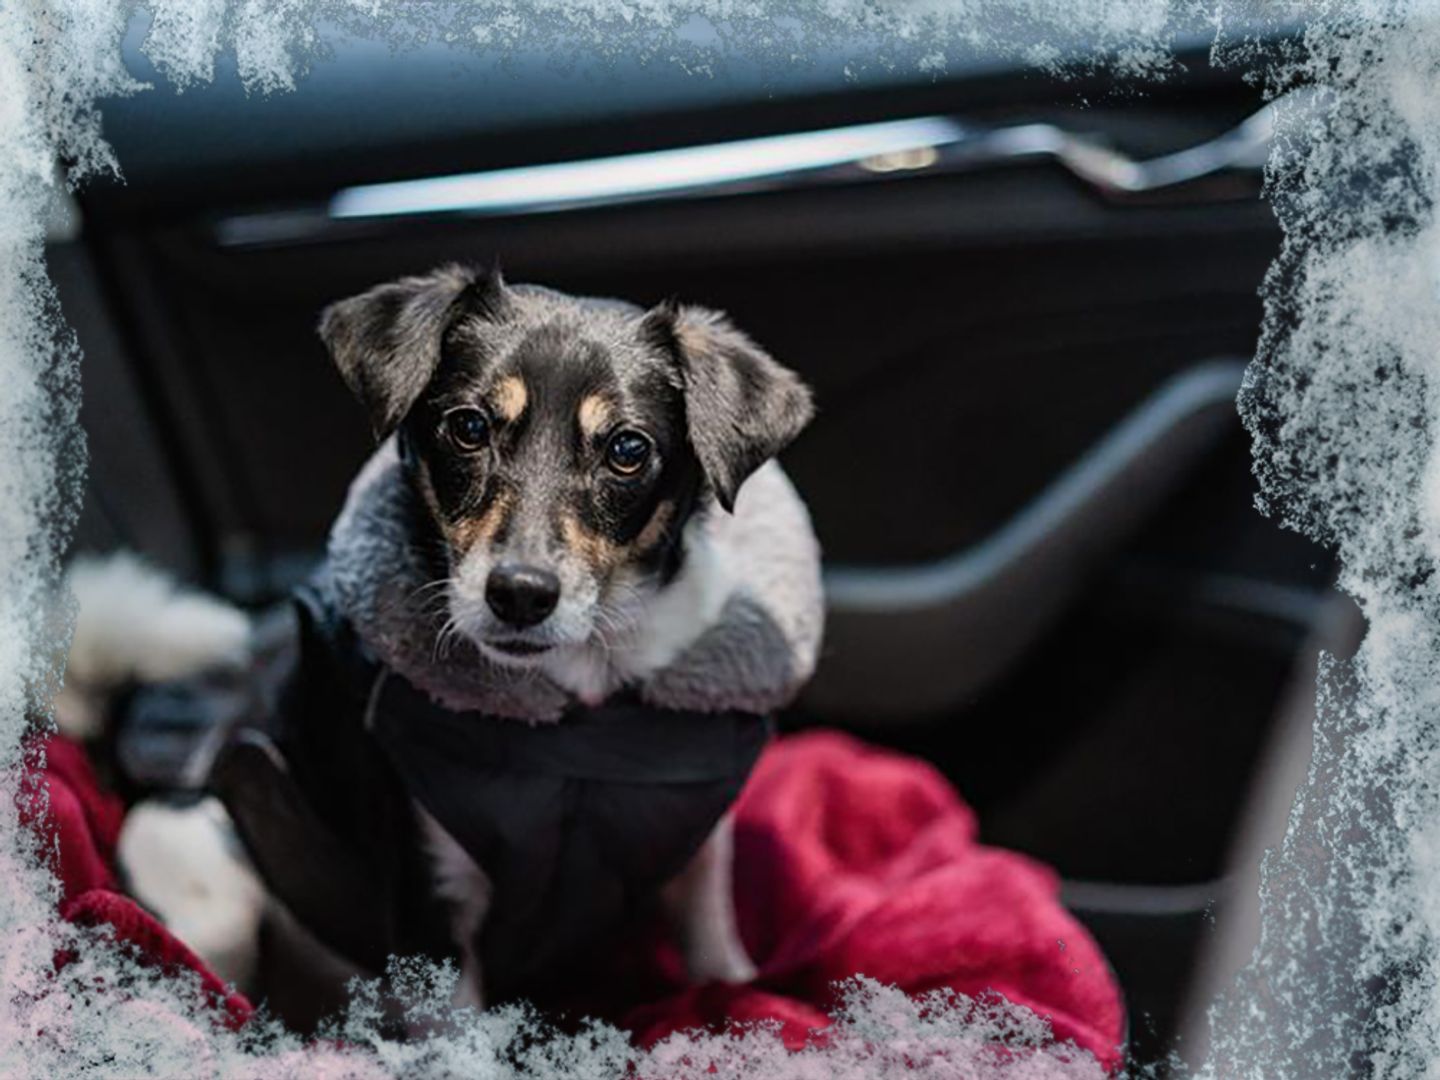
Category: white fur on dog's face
[575,623]
[634,629]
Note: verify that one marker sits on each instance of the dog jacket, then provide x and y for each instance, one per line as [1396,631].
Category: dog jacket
[576,814]
[576,823]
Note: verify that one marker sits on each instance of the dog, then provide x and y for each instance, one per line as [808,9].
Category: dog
[561,449]
[571,471]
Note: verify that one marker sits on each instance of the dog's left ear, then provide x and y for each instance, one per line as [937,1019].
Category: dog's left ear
[386,342]
[742,408]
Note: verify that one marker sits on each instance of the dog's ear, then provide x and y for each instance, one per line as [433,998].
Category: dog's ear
[386,342]
[742,408]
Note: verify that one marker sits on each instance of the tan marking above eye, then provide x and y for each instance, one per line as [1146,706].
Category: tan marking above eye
[510,398]
[594,414]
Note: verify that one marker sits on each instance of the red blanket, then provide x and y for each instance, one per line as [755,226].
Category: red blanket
[849,860]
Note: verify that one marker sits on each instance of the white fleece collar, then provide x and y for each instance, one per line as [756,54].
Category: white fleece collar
[756,574]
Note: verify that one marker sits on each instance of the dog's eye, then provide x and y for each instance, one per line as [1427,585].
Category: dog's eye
[627,452]
[468,429]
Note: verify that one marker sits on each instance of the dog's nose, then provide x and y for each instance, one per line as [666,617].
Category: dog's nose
[521,595]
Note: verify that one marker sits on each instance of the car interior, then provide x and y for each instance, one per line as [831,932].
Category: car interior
[1025,301]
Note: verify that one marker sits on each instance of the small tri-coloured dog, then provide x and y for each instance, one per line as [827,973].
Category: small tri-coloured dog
[557,609]
[561,448]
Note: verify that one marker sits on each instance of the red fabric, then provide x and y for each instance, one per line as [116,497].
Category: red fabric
[83,823]
[849,859]
[83,819]
[136,927]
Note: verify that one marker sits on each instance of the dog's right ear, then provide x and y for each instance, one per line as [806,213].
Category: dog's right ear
[386,342]
[741,406]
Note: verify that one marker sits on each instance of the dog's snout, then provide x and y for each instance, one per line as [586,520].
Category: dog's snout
[521,595]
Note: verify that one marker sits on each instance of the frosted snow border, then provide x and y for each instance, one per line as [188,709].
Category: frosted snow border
[1339,403]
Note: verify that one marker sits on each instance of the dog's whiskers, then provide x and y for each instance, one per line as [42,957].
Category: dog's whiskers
[618,619]
[431,594]
[430,585]
[446,639]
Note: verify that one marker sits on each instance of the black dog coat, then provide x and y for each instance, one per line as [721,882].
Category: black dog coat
[576,823]
[577,815]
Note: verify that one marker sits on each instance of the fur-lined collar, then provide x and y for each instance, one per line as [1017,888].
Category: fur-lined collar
[755,656]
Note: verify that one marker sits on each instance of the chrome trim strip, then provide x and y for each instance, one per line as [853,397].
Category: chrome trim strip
[567,184]
[920,145]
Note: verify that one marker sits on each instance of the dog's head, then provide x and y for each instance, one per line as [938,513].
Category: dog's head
[560,445]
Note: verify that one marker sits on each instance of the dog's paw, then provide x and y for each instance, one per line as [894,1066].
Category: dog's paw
[184,865]
[134,621]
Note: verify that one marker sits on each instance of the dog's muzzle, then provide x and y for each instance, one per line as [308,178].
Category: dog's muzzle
[521,596]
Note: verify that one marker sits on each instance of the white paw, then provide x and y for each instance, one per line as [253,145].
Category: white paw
[134,621]
[184,864]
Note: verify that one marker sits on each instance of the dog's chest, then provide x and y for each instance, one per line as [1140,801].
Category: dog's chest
[466,889]
[544,840]
[458,878]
